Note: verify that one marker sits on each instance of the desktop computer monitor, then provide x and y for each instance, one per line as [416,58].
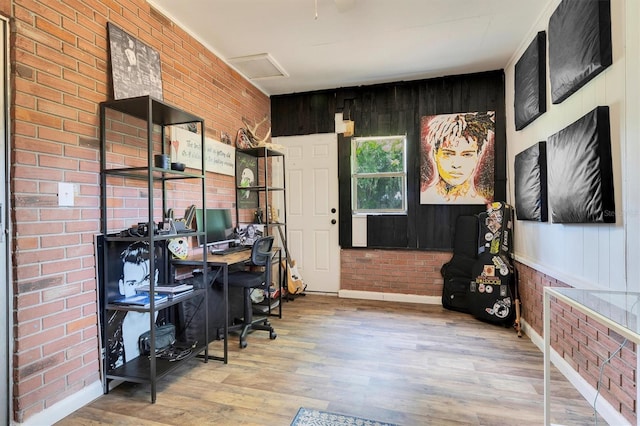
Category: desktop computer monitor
[219,226]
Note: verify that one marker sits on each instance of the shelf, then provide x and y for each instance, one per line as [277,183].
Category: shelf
[270,224]
[162,114]
[157,237]
[268,189]
[259,188]
[159,306]
[138,370]
[261,152]
[153,248]
[264,307]
[142,173]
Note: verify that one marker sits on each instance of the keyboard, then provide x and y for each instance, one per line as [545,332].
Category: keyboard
[230,250]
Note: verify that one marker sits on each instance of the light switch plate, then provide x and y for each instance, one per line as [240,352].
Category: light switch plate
[65,194]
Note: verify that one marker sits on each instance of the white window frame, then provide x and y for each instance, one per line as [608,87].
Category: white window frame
[355,176]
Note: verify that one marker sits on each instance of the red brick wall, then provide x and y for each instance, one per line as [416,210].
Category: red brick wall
[392,271]
[59,74]
[583,343]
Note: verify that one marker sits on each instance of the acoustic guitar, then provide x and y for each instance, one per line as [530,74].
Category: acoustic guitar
[295,285]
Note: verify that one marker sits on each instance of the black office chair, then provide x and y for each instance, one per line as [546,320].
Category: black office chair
[261,256]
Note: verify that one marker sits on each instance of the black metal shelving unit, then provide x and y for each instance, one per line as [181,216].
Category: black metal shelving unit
[115,123]
[264,188]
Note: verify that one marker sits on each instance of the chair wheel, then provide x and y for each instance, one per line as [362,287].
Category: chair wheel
[243,344]
[272,335]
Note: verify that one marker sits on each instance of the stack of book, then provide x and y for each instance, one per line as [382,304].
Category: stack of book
[170,291]
[140,299]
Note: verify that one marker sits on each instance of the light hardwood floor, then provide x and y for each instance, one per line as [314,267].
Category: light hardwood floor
[408,364]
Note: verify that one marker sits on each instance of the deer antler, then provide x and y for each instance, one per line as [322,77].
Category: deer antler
[252,131]
[255,128]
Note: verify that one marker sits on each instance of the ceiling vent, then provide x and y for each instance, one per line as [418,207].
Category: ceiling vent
[258,67]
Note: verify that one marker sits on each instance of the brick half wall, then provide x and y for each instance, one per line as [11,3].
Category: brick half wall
[392,271]
[582,342]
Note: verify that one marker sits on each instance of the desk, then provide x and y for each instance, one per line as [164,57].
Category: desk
[220,268]
[617,310]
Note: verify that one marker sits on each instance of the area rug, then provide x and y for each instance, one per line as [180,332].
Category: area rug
[311,417]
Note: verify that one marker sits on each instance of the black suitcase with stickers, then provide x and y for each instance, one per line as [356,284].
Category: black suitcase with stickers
[492,289]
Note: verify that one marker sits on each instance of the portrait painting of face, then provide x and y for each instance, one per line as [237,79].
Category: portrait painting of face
[456,164]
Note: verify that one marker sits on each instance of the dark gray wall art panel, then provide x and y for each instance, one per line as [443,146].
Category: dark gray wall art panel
[580,177]
[530,89]
[579,45]
[531,183]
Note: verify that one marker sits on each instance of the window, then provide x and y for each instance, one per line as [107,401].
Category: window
[379,174]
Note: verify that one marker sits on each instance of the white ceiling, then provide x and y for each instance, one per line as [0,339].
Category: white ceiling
[359,42]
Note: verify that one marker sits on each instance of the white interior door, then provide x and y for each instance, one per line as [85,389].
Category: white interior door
[311,168]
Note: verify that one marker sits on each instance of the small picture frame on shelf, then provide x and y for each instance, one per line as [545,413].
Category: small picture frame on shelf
[246,176]
[249,233]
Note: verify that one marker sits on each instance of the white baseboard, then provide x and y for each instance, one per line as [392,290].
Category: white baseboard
[65,407]
[391,297]
[606,410]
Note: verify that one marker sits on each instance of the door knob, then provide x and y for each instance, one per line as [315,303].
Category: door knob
[333,210]
[333,221]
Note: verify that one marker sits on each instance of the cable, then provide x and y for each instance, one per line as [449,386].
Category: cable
[624,342]
[595,411]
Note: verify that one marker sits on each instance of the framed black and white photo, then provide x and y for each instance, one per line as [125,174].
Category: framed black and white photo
[135,67]
[579,45]
[530,89]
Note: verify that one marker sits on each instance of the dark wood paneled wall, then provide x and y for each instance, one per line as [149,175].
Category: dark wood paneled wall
[392,109]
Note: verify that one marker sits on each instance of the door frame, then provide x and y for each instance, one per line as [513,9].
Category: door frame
[302,254]
[6,297]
